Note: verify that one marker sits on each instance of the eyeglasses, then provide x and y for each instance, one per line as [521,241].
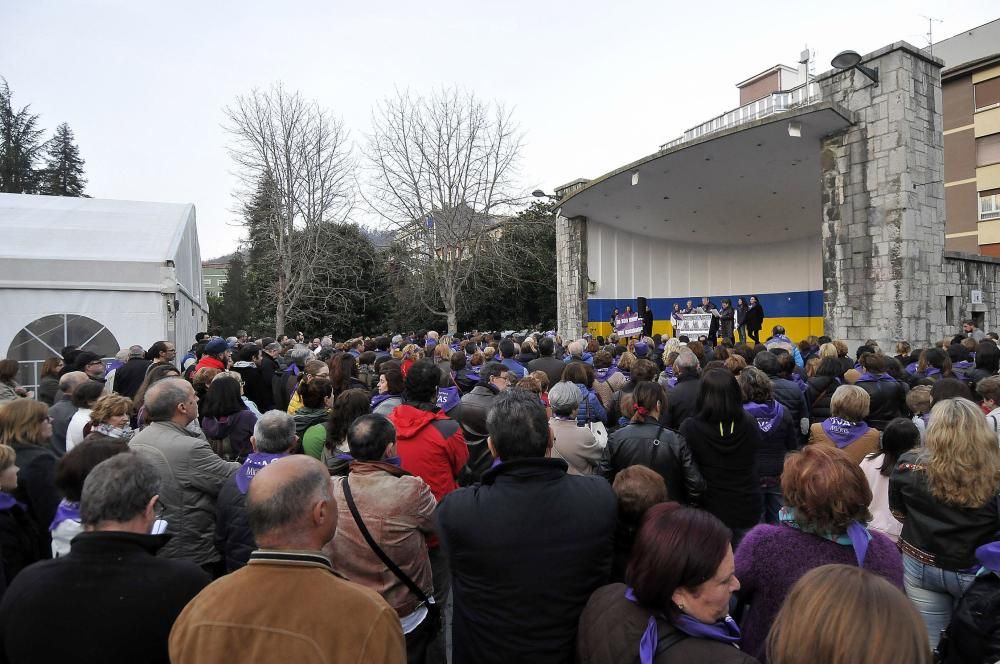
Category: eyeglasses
[158,509]
[95,362]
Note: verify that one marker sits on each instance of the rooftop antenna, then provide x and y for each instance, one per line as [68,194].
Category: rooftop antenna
[930,32]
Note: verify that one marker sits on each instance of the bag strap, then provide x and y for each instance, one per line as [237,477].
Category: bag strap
[816,400]
[393,567]
[656,445]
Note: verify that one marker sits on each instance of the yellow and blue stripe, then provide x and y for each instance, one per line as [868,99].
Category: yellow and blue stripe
[800,312]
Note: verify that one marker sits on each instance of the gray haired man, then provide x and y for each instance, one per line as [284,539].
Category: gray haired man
[191,473]
[273,438]
[130,597]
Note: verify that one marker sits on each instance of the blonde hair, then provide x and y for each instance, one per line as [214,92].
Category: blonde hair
[22,421]
[109,406]
[961,456]
[918,399]
[828,350]
[842,613]
[626,361]
[851,403]
[7,457]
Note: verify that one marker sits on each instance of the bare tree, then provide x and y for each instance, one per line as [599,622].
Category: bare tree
[442,172]
[303,153]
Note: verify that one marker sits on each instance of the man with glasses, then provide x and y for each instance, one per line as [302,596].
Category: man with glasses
[118,508]
[162,352]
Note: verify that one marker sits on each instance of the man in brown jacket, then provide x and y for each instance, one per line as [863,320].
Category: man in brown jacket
[288,604]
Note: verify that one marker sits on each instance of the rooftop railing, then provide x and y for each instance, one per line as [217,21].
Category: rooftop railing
[777,102]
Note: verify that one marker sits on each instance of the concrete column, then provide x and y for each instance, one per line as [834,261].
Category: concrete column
[571,276]
[883,202]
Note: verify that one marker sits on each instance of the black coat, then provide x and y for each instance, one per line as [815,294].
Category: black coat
[130,375]
[818,395]
[681,400]
[255,387]
[973,636]
[755,317]
[269,370]
[37,490]
[790,395]
[888,401]
[649,444]
[526,548]
[233,538]
[110,600]
[552,367]
[728,462]
[20,543]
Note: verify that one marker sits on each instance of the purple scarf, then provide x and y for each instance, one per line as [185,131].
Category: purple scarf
[254,463]
[989,556]
[602,375]
[66,511]
[931,371]
[8,501]
[857,536]
[842,432]
[379,398]
[726,631]
[867,377]
[768,415]
[911,367]
[448,398]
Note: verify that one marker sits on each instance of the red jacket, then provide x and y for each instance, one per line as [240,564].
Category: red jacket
[430,445]
[207,361]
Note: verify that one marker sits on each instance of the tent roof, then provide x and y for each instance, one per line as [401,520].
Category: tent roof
[56,227]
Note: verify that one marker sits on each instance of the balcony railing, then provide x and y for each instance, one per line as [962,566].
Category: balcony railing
[777,102]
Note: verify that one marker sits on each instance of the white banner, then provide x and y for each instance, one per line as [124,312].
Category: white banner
[692,325]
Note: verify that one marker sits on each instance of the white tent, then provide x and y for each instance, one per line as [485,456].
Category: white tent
[99,274]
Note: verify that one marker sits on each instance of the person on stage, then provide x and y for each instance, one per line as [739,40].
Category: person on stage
[740,318]
[689,309]
[726,320]
[675,318]
[647,322]
[708,307]
[614,319]
[754,319]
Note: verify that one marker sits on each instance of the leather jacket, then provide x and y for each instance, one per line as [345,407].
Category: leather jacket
[888,401]
[654,446]
[949,533]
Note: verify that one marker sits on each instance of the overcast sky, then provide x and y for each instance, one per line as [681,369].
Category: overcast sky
[593,85]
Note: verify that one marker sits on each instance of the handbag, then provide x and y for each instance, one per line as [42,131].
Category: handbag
[433,610]
[598,429]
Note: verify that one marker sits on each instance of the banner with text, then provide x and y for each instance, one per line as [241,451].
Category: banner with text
[692,325]
[628,326]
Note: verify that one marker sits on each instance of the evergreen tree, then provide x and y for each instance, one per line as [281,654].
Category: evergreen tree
[261,275]
[20,145]
[63,172]
[231,311]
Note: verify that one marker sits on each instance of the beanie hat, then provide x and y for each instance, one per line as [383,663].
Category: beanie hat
[216,346]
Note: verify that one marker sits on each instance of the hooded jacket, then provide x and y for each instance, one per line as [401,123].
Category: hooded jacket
[726,455]
[778,436]
[238,427]
[430,445]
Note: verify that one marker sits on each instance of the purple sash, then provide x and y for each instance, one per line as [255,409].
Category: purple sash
[448,398]
[66,511]
[843,432]
[726,631]
[254,463]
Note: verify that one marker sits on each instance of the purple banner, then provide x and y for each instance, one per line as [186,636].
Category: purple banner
[628,326]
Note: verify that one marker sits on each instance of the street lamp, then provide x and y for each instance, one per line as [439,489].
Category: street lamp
[851,60]
[538,193]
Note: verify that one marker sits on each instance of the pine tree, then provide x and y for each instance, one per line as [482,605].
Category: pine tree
[20,145]
[63,172]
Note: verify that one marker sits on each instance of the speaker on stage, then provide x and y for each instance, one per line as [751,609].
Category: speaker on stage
[640,305]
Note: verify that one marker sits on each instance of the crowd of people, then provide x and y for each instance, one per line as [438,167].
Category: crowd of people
[486,497]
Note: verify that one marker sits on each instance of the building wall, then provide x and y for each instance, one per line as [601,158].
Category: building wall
[965,273]
[214,278]
[760,88]
[624,265]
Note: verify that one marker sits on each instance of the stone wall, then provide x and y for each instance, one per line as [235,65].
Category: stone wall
[964,273]
[571,276]
[883,202]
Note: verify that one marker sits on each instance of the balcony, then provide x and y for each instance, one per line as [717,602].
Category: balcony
[777,102]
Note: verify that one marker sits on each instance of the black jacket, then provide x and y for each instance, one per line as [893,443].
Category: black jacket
[268,371]
[130,375]
[470,414]
[233,538]
[973,637]
[110,600]
[728,462]
[552,367]
[818,395]
[526,548]
[20,544]
[650,444]
[888,401]
[37,490]
[948,532]
[790,395]
[681,399]
[755,317]
[255,387]
[778,437]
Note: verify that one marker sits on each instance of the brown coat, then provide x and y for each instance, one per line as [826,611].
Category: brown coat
[287,607]
[612,626]
[398,510]
[858,450]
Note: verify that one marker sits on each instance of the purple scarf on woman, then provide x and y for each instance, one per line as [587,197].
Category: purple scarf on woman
[726,631]
[843,432]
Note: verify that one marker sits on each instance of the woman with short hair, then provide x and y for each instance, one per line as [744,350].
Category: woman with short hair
[574,444]
[109,419]
[846,428]
[389,390]
[839,613]
[674,604]
[946,497]
[824,521]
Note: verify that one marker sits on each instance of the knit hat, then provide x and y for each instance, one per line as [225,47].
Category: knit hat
[641,349]
[136,351]
[216,346]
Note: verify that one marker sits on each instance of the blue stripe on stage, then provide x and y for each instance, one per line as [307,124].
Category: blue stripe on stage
[776,305]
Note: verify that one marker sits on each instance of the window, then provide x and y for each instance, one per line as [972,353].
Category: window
[987,93]
[207,282]
[988,150]
[989,204]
